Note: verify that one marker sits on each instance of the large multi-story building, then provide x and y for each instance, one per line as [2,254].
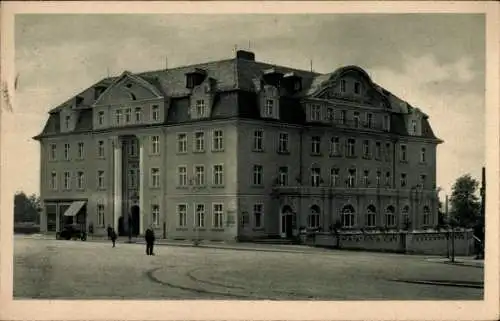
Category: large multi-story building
[237,148]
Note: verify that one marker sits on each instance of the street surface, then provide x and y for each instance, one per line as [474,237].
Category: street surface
[50,269]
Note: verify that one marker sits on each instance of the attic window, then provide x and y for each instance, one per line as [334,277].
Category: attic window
[357,88]
[128,85]
[297,85]
[342,85]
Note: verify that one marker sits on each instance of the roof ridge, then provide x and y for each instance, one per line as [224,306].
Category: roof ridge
[183,66]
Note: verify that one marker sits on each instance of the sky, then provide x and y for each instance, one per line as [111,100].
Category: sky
[436,62]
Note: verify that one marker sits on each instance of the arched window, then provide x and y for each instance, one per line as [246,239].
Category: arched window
[313,217]
[347,216]
[371,219]
[390,219]
[405,215]
[427,215]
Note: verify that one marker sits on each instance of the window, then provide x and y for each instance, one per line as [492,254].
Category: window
[53,181]
[257,174]
[132,177]
[315,112]
[387,123]
[366,149]
[182,215]
[80,180]
[100,118]
[388,182]
[405,213]
[218,215]
[155,211]
[390,218]
[313,217]
[100,215]
[366,175]
[128,115]
[356,119]
[378,150]
[81,150]
[387,151]
[402,153]
[351,177]
[218,172]
[427,215]
[182,143]
[422,155]
[414,127]
[200,108]
[342,85]
[258,136]
[118,116]
[67,180]
[155,113]
[371,216]
[403,180]
[269,107]
[351,147]
[369,120]
[155,145]
[199,141]
[423,178]
[335,146]
[199,175]
[315,145]
[283,143]
[182,175]
[379,175]
[315,176]
[347,216]
[100,149]
[330,114]
[155,177]
[283,176]
[67,151]
[258,212]
[200,215]
[53,152]
[66,121]
[100,179]
[342,117]
[138,114]
[334,177]
[357,88]
[132,148]
[218,140]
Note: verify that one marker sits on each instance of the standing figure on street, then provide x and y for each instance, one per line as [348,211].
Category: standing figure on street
[109,230]
[150,240]
[113,237]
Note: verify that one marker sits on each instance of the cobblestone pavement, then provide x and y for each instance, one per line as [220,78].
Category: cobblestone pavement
[94,270]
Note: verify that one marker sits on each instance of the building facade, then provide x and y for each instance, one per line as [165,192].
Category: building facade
[237,149]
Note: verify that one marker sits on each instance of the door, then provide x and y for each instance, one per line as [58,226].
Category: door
[135,211]
[289,226]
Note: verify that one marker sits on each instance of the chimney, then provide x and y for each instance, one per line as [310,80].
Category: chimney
[245,55]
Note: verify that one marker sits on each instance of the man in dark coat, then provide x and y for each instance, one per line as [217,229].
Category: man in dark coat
[113,237]
[109,230]
[150,240]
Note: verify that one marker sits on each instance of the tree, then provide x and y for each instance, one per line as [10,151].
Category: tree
[465,204]
[441,215]
[26,208]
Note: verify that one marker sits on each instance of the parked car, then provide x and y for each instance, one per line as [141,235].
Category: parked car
[74,232]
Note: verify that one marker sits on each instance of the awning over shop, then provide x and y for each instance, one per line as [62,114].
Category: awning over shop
[74,208]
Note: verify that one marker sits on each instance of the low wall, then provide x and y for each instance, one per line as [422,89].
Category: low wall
[417,242]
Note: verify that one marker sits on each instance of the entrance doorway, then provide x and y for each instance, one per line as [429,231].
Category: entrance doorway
[135,219]
[287,222]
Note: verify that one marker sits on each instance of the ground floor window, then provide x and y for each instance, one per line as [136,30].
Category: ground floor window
[371,216]
[155,211]
[200,215]
[182,215]
[347,216]
[258,212]
[390,218]
[313,217]
[100,215]
[218,216]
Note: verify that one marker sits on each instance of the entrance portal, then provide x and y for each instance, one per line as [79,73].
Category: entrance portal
[135,215]
[287,222]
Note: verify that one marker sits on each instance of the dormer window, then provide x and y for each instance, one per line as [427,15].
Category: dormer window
[66,121]
[269,107]
[342,117]
[330,114]
[315,112]
[297,85]
[200,108]
[387,123]
[342,85]
[138,114]
[118,115]
[155,113]
[414,127]
[79,100]
[356,119]
[357,88]
[195,77]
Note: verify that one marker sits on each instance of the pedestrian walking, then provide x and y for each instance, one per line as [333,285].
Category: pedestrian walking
[113,237]
[109,230]
[150,240]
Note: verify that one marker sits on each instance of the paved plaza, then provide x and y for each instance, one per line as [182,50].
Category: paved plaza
[94,270]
